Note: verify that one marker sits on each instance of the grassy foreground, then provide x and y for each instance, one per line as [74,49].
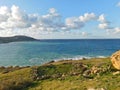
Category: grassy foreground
[93,74]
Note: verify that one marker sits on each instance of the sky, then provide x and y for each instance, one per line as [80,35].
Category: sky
[60,19]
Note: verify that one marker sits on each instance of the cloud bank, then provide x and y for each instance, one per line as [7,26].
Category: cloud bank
[14,21]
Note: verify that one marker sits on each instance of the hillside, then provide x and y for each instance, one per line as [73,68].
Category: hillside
[92,74]
[15,39]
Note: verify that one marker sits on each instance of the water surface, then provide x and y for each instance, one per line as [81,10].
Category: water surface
[38,52]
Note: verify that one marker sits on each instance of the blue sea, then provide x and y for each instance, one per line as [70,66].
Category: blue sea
[39,52]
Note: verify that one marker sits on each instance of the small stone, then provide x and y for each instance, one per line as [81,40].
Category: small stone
[95,70]
[63,75]
[116,73]
[96,89]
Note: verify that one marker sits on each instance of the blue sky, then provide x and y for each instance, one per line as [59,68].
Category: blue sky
[52,19]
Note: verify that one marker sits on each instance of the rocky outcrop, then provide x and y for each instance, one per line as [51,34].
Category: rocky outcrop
[115,58]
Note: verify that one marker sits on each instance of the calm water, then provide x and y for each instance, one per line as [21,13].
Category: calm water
[38,52]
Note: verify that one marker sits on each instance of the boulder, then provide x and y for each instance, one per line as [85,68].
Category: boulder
[115,58]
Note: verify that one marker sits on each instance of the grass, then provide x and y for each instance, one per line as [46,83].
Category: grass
[62,75]
[15,80]
[75,83]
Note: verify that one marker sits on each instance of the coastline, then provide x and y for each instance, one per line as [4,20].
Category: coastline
[87,71]
[95,73]
[60,60]
[82,58]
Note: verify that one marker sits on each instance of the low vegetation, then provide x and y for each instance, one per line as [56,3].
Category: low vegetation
[93,74]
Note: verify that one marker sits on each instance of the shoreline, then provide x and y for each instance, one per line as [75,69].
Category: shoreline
[56,60]
[82,58]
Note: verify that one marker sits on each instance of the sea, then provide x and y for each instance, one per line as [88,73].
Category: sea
[43,51]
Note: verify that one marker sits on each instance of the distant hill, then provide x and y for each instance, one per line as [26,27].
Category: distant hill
[16,39]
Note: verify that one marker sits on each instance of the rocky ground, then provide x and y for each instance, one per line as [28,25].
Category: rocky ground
[92,74]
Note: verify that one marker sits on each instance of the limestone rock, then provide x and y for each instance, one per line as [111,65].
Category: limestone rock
[96,89]
[115,58]
[95,70]
[116,73]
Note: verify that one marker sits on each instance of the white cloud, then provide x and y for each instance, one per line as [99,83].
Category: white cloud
[114,32]
[18,19]
[4,13]
[14,21]
[101,18]
[79,22]
[118,4]
[87,17]
[52,10]
[103,26]
[84,34]
[4,10]
[13,18]
[117,30]
[74,23]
